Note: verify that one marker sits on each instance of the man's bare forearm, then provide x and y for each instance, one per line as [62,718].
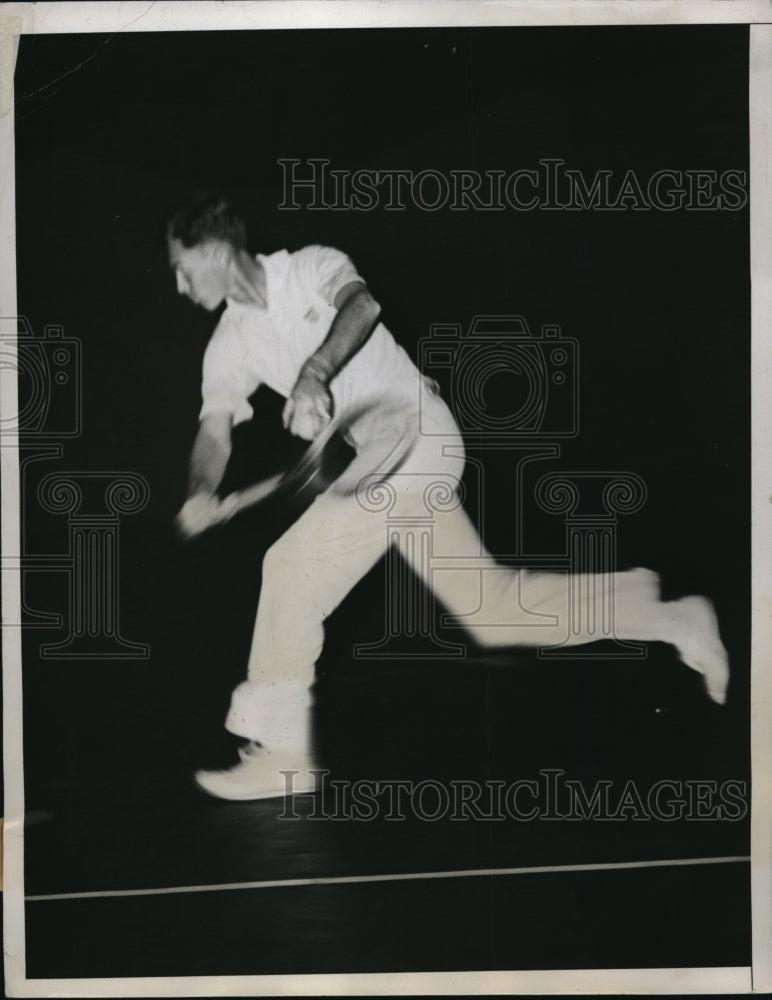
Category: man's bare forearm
[309,405]
[209,457]
[350,330]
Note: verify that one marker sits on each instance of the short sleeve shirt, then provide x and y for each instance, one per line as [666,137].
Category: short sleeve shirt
[253,346]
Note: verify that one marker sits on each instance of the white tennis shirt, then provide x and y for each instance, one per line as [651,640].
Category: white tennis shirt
[253,346]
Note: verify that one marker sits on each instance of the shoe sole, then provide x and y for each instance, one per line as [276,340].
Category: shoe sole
[273,793]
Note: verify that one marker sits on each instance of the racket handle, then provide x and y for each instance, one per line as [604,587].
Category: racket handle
[240,500]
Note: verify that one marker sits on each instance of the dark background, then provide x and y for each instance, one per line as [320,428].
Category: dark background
[111,132]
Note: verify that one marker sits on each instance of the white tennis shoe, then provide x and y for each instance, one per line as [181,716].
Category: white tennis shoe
[263,773]
[699,644]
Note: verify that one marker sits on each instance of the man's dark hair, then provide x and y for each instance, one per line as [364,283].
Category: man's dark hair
[207,217]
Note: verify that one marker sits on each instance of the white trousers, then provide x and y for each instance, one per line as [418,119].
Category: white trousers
[309,571]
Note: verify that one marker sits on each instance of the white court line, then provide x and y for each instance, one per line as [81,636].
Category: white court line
[399,877]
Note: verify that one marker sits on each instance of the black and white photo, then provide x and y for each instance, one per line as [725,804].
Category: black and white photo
[383,435]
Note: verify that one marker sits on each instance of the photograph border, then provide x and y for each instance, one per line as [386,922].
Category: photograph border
[72,17]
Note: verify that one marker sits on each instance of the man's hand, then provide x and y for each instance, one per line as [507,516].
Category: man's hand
[197,514]
[309,406]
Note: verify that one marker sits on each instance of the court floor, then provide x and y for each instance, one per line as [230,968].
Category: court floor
[130,871]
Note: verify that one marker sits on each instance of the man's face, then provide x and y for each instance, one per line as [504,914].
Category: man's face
[201,272]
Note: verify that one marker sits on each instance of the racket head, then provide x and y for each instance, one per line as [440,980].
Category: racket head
[328,457]
[324,459]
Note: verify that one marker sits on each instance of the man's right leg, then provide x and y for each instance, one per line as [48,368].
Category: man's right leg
[306,575]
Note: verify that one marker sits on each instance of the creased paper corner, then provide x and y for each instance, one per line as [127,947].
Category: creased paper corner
[10,29]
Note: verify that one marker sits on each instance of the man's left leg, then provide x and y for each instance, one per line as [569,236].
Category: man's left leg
[500,606]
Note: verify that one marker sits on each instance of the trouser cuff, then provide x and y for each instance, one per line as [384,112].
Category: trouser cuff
[276,715]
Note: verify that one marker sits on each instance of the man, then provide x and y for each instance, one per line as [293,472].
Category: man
[306,325]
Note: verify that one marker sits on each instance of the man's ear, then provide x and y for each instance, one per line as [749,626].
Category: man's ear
[218,252]
[227,254]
